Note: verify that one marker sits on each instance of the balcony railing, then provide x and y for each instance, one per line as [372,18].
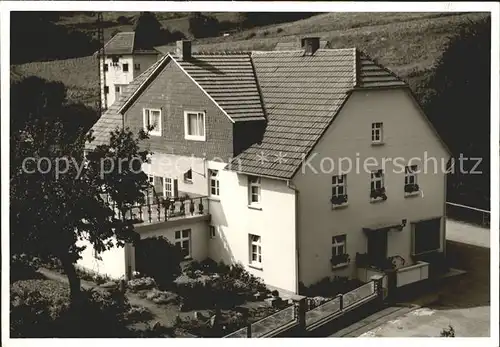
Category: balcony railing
[158,209]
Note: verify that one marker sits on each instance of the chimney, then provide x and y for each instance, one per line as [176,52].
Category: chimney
[183,49]
[310,45]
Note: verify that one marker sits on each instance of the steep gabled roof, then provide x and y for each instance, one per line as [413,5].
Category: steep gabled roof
[230,80]
[301,94]
[112,118]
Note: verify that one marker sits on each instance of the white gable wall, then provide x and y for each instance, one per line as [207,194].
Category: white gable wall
[406,134]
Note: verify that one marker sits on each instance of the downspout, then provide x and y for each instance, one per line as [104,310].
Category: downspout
[290,185]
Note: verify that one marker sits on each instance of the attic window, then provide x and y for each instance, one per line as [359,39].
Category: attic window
[194,126]
[152,118]
[188,176]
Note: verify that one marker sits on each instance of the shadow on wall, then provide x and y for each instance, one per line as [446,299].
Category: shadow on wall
[220,246]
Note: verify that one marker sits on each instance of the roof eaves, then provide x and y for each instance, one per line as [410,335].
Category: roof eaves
[203,90]
[139,89]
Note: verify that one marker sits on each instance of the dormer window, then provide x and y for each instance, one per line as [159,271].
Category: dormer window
[152,119]
[194,126]
[188,176]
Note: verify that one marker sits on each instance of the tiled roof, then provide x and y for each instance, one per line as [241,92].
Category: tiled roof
[294,45]
[302,94]
[121,43]
[230,80]
[112,119]
[298,95]
[371,74]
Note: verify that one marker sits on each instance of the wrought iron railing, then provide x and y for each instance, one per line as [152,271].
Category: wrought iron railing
[158,209]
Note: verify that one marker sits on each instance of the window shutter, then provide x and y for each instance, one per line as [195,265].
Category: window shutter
[175,191]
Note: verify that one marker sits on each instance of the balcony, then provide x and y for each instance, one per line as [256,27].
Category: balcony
[170,210]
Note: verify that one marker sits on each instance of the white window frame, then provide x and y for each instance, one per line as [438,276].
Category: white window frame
[197,137]
[211,231]
[255,248]
[256,184]
[377,132]
[146,112]
[411,173]
[375,179]
[180,239]
[168,187]
[336,185]
[339,242]
[214,183]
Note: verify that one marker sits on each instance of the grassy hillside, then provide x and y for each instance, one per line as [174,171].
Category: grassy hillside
[408,43]
[79,75]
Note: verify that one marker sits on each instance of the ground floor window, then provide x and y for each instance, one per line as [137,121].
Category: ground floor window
[255,250]
[183,240]
[427,236]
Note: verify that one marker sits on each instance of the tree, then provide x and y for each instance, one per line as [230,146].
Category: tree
[45,40]
[203,26]
[57,193]
[156,257]
[459,108]
[148,31]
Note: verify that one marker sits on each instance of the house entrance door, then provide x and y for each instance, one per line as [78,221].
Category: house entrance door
[377,245]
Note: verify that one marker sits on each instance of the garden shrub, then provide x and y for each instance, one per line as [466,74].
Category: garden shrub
[330,287]
[226,323]
[156,257]
[138,314]
[208,284]
[162,297]
[41,308]
[141,283]
[31,315]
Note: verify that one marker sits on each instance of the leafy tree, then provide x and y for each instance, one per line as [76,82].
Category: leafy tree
[459,108]
[51,209]
[156,257]
[201,25]
[148,31]
[42,39]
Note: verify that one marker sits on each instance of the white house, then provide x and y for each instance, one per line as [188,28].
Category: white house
[298,164]
[123,62]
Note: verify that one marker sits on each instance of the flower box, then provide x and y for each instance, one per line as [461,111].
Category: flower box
[341,259]
[338,199]
[411,188]
[378,194]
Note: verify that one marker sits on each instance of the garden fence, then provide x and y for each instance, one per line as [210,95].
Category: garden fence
[293,315]
[468,214]
[341,303]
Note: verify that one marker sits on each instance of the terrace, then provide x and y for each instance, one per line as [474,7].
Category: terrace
[165,211]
